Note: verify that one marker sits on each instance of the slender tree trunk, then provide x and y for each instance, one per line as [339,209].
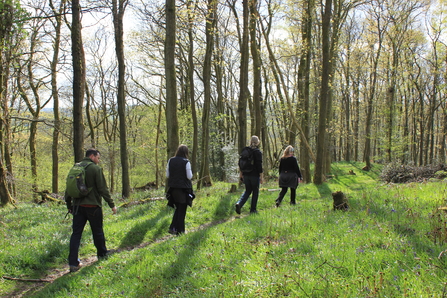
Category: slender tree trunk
[442,141]
[219,70]
[205,176]
[118,14]
[191,68]
[243,81]
[255,50]
[303,87]
[171,83]
[55,94]
[78,81]
[319,175]
[157,138]
[356,120]
[6,22]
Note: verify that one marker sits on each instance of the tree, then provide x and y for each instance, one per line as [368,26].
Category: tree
[77,51]
[255,54]
[118,9]
[326,71]
[243,78]
[57,12]
[205,177]
[9,13]
[303,86]
[171,82]
[191,87]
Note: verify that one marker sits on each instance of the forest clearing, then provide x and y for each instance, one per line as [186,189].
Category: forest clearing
[391,242]
[356,87]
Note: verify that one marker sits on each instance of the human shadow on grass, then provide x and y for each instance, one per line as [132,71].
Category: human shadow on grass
[180,264]
[137,233]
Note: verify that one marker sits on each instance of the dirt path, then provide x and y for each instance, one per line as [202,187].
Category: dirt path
[34,285]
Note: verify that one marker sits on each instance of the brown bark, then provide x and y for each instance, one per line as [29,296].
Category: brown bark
[205,176]
[243,81]
[78,81]
[171,84]
[118,15]
[319,175]
[55,94]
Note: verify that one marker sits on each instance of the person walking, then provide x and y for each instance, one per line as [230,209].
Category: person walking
[251,177]
[289,175]
[180,193]
[89,208]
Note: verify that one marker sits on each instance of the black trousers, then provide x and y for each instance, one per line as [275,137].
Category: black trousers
[95,217]
[178,220]
[283,193]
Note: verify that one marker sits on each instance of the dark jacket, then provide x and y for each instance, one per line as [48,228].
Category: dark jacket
[94,178]
[289,172]
[180,187]
[257,158]
[177,173]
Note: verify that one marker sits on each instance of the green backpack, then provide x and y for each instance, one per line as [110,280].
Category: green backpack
[75,182]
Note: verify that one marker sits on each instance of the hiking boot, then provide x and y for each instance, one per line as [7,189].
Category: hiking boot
[172,232]
[238,209]
[108,253]
[75,268]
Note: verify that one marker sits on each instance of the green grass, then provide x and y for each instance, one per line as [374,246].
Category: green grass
[389,244]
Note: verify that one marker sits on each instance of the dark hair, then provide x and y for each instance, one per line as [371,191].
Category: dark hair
[182,151]
[92,151]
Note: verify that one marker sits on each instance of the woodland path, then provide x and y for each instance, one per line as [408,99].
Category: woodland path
[30,286]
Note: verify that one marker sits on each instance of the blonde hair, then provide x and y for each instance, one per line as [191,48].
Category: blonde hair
[254,142]
[289,149]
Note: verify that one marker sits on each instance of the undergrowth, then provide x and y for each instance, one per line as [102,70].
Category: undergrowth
[389,243]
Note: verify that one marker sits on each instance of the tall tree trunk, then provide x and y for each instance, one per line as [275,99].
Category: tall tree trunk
[205,176]
[219,72]
[243,81]
[303,87]
[6,22]
[171,84]
[77,51]
[319,175]
[191,87]
[55,94]
[118,14]
[255,53]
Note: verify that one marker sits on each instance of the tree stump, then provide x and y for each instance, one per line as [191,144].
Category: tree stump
[340,201]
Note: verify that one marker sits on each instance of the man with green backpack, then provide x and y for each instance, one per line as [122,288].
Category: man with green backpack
[85,204]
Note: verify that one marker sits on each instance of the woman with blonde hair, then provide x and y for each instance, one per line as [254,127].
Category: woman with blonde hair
[289,175]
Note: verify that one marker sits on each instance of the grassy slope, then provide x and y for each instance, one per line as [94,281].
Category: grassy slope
[383,247]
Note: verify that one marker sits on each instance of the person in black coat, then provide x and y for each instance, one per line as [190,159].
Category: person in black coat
[251,179]
[180,193]
[289,175]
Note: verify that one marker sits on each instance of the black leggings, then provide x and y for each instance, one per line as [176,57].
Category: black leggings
[283,193]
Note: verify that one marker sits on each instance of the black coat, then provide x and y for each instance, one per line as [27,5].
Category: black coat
[289,172]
